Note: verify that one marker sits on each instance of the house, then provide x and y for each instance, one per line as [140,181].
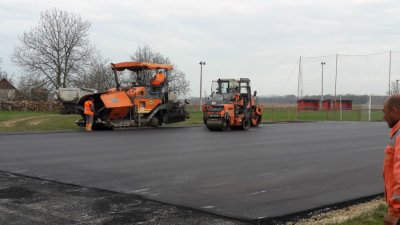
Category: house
[327,104]
[346,105]
[308,104]
[40,93]
[8,91]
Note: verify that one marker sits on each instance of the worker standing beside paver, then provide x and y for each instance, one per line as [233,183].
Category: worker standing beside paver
[89,112]
[391,164]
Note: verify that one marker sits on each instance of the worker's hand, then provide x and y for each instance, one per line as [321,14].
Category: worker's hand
[389,219]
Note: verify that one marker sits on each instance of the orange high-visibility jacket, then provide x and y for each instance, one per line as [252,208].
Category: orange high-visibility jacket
[158,79]
[89,108]
[391,172]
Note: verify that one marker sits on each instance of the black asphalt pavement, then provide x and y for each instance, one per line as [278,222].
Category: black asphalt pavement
[274,170]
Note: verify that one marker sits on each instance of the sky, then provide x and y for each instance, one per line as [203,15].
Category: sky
[258,39]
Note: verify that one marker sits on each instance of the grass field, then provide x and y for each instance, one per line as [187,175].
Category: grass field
[36,121]
[371,218]
[271,114]
[42,121]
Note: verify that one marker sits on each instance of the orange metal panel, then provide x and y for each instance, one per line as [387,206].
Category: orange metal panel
[146,105]
[136,91]
[118,113]
[136,66]
[116,100]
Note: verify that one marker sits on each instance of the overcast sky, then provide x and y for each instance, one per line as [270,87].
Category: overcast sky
[258,39]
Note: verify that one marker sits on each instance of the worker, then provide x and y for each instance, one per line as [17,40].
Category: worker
[158,79]
[89,113]
[391,164]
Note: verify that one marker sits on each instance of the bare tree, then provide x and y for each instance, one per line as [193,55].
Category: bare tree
[28,82]
[177,79]
[57,50]
[3,73]
[99,76]
[394,87]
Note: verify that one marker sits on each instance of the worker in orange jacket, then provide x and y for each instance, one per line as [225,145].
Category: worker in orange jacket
[89,112]
[391,165]
[158,79]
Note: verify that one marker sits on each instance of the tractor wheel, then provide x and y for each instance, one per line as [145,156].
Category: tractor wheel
[155,122]
[245,124]
[221,125]
[256,121]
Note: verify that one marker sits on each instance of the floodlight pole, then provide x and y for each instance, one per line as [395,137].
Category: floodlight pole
[201,82]
[322,84]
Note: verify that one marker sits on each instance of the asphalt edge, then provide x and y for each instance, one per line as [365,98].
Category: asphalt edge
[244,220]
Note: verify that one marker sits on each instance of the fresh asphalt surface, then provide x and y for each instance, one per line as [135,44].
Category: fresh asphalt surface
[274,170]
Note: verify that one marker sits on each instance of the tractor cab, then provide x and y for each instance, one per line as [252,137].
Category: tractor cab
[227,90]
[231,105]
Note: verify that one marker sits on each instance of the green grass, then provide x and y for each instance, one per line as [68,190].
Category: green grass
[372,218]
[36,121]
[53,121]
[291,115]
[7,115]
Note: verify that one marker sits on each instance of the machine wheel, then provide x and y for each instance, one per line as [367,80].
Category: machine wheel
[256,120]
[96,126]
[155,122]
[221,125]
[245,124]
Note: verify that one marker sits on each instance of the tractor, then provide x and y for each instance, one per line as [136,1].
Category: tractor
[142,102]
[231,106]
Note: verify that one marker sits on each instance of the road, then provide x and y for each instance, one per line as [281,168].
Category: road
[274,170]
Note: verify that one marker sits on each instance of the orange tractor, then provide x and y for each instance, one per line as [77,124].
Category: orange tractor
[144,102]
[231,106]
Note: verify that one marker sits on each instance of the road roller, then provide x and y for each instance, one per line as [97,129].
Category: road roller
[231,106]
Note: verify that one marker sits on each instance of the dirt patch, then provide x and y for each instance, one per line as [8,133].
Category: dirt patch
[35,122]
[13,122]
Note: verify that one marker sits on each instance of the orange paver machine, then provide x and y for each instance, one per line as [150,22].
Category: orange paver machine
[231,106]
[144,102]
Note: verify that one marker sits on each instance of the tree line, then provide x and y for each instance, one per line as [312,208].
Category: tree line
[57,53]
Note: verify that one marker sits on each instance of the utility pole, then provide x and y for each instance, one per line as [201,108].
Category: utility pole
[201,82]
[390,70]
[322,85]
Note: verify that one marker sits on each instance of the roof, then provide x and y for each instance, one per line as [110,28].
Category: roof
[5,84]
[308,100]
[137,66]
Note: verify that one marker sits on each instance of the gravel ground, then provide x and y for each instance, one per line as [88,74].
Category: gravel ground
[27,200]
[333,216]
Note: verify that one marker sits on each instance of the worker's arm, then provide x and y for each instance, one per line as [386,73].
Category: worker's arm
[395,198]
[390,219]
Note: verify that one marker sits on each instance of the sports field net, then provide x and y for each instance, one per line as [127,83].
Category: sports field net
[349,74]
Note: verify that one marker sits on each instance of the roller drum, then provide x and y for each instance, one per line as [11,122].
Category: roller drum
[215,125]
